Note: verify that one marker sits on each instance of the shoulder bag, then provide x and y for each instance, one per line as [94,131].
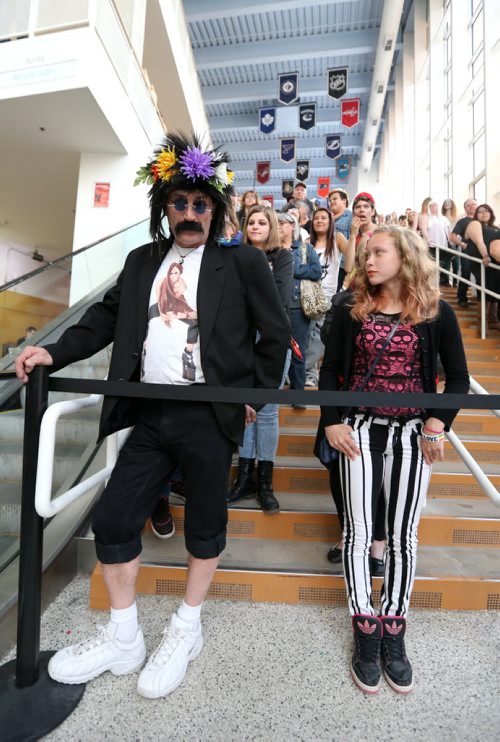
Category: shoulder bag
[312,297]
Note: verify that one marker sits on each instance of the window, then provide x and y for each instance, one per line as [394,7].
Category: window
[478,114]
[477,32]
[479,190]
[478,153]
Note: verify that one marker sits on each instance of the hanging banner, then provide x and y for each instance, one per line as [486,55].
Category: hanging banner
[287,188]
[269,199]
[288,88]
[323,187]
[333,146]
[302,170]
[343,168]
[337,82]
[307,116]
[267,120]
[349,112]
[287,149]
[263,171]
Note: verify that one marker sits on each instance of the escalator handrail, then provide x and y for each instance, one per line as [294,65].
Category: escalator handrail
[56,262]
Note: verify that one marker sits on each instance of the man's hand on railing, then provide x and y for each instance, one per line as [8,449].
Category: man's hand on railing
[30,357]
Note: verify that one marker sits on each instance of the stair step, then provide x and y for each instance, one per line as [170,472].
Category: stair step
[436,530]
[298,572]
[314,479]
[484,451]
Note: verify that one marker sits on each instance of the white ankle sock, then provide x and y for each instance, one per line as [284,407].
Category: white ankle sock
[189,613]
[126,621]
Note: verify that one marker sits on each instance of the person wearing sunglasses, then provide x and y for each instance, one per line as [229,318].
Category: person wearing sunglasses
[221,295]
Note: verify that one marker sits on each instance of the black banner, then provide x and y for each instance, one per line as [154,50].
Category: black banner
[302,170]
[307,115]
[337,82]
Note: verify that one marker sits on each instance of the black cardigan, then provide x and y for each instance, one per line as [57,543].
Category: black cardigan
[440,336]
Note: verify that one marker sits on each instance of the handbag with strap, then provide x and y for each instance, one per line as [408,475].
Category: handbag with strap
[327,453]
[313,301]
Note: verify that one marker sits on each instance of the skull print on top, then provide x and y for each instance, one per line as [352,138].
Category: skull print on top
[399,369]
[171,350]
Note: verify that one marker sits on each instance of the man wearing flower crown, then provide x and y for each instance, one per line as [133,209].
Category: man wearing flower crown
[184,310]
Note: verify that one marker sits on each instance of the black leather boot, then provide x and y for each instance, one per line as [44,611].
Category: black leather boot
[244,485]
[265,494]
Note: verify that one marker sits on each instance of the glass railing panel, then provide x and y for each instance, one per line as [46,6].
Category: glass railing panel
[43,299]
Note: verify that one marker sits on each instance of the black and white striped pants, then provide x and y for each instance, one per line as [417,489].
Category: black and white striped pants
[391,462]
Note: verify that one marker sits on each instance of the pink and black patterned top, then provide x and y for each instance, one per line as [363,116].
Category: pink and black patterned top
[399,369]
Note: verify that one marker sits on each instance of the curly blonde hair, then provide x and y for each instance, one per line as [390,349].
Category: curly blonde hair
[419,279]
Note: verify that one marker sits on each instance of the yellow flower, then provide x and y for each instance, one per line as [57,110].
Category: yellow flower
[165,164]
[230,175]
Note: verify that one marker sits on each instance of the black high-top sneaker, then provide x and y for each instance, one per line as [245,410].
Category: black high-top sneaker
[365,668]
[395,663]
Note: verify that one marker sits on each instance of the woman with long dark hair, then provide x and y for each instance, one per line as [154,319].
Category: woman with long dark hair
[479,235]
[261,437]
[330,247]
[387,338]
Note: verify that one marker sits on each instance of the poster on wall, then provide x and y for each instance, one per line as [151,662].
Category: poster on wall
[269,199]
[101,195]
[302,170]
[287,149]
[267,120]
[332,148]
[307,116]
[287,188]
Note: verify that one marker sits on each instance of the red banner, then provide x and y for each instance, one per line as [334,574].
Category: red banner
[323,187]
[263,171]
[349,112]
[269,199]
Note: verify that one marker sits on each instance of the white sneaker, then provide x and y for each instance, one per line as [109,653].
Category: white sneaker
[310,383]
[168,664]
[92,657]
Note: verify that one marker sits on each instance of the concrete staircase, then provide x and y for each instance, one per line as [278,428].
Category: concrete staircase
[282,558]
[74,433]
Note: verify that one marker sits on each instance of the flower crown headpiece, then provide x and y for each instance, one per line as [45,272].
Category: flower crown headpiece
[180,160]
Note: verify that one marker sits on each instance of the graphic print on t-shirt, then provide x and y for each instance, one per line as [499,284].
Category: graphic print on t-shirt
[171,350]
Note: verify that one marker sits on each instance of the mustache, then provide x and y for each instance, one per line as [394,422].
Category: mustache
[187,226]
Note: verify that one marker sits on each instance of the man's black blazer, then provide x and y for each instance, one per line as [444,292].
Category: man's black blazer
[236,297]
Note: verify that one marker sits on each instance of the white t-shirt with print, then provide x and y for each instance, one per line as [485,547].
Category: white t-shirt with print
[171,350]
[329,270]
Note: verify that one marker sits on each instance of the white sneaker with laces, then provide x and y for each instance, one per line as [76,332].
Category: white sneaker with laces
[90,658]
[167,665]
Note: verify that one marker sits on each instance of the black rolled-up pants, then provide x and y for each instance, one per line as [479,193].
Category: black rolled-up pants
[168,435]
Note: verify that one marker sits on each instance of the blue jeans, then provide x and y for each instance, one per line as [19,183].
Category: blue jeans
[261,437]
[300,331]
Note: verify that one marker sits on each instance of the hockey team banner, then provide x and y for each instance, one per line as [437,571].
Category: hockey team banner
[287,188]
[337,82]
[287,149]
[267,120]
[333,146]
[349,112]
[307,116]
[343,168]
[263,171]
[270,200]
[323,187]
[288,88]
[302,170]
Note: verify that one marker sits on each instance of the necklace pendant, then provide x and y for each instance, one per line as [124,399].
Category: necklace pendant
[181,259]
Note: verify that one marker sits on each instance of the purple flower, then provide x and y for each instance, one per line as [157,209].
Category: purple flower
[196,164]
